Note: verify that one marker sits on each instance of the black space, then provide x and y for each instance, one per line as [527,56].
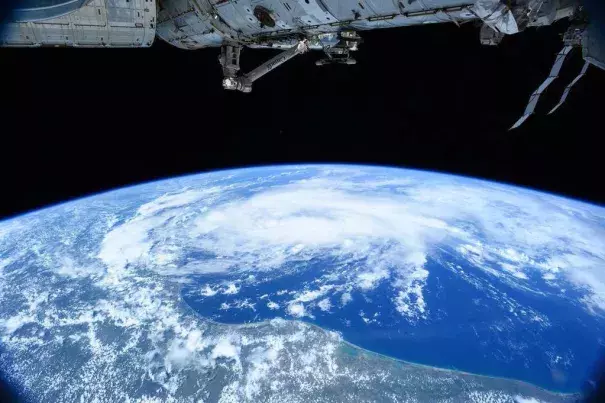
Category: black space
[79,121]
[75,122]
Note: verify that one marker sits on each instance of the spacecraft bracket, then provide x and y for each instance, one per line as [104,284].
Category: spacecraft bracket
[229,60]
[490,37]
[496,15]
[341,52]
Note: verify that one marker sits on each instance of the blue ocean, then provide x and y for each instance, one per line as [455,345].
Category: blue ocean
[467,328]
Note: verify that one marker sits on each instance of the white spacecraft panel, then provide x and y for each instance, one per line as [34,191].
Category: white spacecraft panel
[240,14]
[287,15]
[189,32]
[303,14]
[124,13]
[496,15]
[381,7]
[90,16]
[235,15]
[345,10]
[593,49]
[100,23]
[189,25]
[315,12]
[435,4]
[457,14]
[178,18]
[38,10]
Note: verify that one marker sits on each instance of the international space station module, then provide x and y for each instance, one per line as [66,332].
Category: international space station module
[333,27]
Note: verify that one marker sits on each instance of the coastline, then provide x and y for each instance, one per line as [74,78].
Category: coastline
[383,356]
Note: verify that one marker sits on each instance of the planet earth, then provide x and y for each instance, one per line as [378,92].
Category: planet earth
[314,283]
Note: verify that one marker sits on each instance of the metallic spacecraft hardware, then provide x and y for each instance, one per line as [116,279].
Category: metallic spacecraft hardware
[340,53]
[37,10]
[489,36]
[293,26]
[535,97]
[568,88]
[573,38]
[98,23]
[230,61]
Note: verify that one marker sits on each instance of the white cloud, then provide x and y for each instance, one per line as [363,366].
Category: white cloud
[13,323]
[177,199]
[324,304]
[127,244]
[370,279]
[307,296]
[178,356]
[227,349]
[315,217]
[345,298]
[208,291]
[521,399]
[504,231]
[231,289]
[297,310]
[311,295]
[272,305]
[373,237]
[263,361]
[244,304]
[70,268]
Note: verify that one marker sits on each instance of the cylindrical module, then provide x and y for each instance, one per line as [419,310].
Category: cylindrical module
[98,23]
[38,10]
[194,24]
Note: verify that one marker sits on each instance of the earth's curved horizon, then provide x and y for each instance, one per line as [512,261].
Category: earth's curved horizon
[473,285]
[313,164]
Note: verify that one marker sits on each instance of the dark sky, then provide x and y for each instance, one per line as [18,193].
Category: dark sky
[78,121]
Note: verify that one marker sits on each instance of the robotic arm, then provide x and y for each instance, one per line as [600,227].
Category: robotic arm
[230,61]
